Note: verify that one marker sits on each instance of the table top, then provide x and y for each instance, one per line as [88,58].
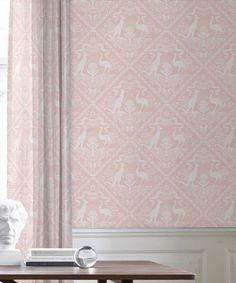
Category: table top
[103,270]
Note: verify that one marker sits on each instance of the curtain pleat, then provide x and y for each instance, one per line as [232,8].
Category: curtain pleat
[39,120]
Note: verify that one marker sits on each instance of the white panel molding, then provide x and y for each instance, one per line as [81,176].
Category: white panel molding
[230,265]
[157,232]
[210,252]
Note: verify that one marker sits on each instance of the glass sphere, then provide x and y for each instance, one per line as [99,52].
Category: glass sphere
[85,257]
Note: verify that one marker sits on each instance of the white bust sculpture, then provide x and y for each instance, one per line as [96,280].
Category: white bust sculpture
[13,217]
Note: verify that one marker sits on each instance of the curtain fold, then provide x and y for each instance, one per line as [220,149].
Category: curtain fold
[39,119]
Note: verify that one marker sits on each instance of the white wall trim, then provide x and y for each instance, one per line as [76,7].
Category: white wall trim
[113,232]
[230,267]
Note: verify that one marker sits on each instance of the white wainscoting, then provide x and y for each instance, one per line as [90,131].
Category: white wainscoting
[211,253]
[230,256]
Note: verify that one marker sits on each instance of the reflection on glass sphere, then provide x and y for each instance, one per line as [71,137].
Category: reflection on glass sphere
[85,257]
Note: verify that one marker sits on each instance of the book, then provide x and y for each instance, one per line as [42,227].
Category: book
[51,252]
[50,263]
[50,258]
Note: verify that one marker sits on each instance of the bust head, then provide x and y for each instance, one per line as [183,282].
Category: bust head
[12,220]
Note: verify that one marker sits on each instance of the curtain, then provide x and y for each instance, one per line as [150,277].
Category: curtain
[39,120]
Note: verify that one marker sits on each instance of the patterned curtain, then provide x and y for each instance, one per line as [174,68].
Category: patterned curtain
[39,120]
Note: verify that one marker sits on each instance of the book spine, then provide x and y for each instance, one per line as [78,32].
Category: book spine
[50,263]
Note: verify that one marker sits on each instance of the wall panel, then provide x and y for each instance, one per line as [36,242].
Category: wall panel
[210,253]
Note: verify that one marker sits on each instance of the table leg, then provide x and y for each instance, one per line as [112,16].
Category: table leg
[102,281]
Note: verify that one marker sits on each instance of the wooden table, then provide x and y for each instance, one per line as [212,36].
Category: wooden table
[126,271]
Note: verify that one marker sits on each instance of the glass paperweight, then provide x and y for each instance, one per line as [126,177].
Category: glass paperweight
[85,257]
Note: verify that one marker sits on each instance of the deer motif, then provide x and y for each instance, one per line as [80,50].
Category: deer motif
[192,28]
[118,102]
[141,100]
[155,138]
[177,137]
[104,63]
[217,101]
[118,28]
[118,175]
[154,214]
[180,212]
[104,137]
[178,63]
[104,211]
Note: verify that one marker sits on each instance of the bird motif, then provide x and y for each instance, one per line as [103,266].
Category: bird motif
[141,174]
[82,137]
[214,26]
[229,212]
[192,176]
[229,65]
[193,27]
[180,212]
[229,138]
[18,142]
[214,173]
[118,28]
[141,26]
[82,63]
[81,212]
[192,101]
[155,64]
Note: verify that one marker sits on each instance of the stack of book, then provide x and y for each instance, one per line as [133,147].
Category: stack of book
[50,257]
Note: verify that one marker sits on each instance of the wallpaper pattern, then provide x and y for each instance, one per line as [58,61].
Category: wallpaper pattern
[154,113]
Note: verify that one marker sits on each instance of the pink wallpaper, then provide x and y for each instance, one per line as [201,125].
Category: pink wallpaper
[154,113]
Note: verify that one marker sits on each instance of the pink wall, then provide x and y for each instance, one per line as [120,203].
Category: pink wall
[154,113]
